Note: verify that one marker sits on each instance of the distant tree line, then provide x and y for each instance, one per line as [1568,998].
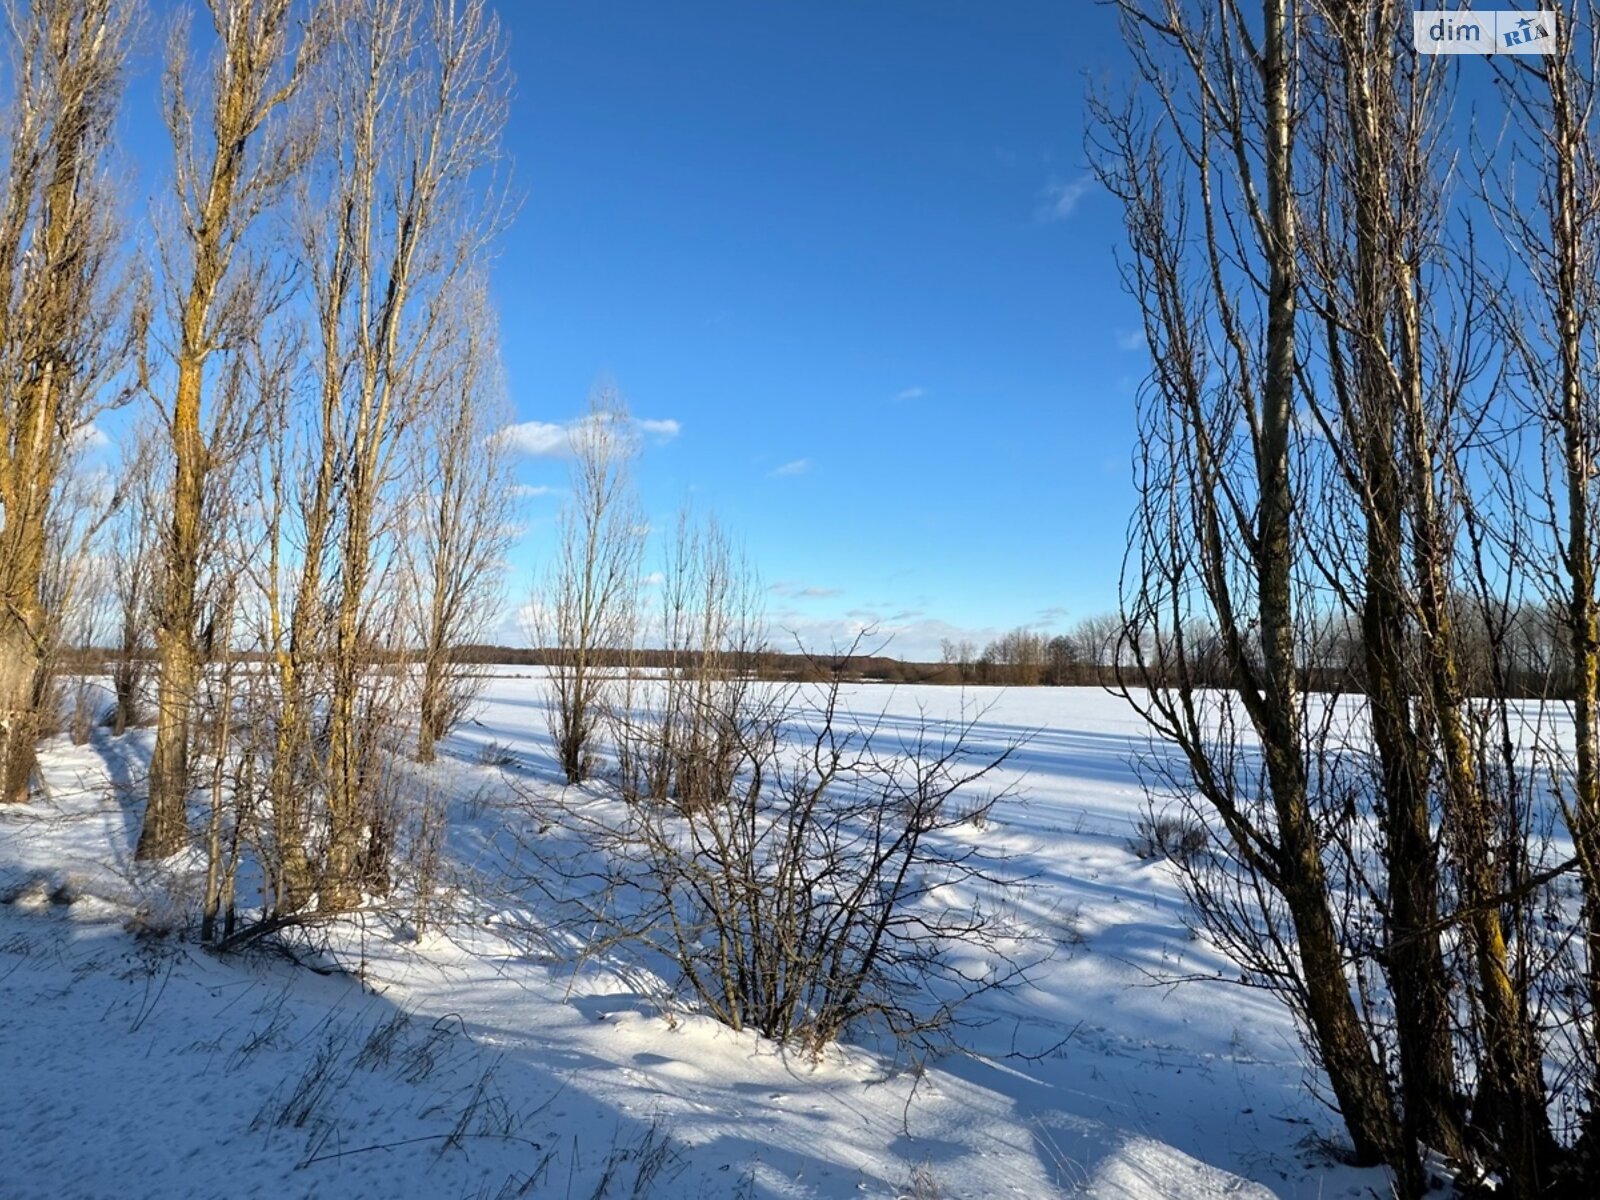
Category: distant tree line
[1520,651]
[1086,655]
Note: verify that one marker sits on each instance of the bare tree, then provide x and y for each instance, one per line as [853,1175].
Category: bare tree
[80,627]
[233,154]
[134,554]
[293,481]
[961,653]
[415,97]
[680,738]
[1383,866]
[1554,340]
[1376,202]
[458,525]
[1020,657]
[586,610]
[1207,180]
[1404,430]
[225,819]
[237,705]
[63,331]
[1099,639]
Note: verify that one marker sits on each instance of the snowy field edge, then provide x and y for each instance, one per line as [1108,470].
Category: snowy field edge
[462,1065]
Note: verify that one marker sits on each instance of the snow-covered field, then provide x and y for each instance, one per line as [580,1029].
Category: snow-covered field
[469,1065]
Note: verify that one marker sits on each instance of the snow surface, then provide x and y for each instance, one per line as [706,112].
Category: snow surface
[137,1064]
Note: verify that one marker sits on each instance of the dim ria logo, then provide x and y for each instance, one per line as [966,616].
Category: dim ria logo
[1493,31]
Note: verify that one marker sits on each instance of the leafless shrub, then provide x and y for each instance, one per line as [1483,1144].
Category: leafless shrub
[495,753]
[831,887]
[1166,836]
[922,1184]
[424,858]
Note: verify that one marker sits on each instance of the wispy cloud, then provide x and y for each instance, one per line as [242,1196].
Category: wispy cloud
[542,439]
[916,639]
[798,466]
[531,491]
[1134,340]
[797,591]
[1059,200]
[910,394]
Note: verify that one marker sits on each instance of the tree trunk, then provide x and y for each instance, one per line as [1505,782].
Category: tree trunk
[1573,246]
[1413,956]
[1355,1076]
[1414,959]
[430,722]
[66,73]
[165,830]
[20,665]
[1511,1088]
[349,824]
[25,491]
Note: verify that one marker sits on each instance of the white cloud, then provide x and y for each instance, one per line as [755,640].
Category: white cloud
[911,393]
[536,439]
[797,467]
[89,436]
[661,431]
[530,491]
[1132,341]
[542,439]
[1059,200]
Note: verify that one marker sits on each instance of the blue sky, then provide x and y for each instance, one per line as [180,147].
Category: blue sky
[852,252]
[848,257]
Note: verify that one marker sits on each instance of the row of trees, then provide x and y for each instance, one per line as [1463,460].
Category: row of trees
[1513,648]
[1025,657]
[1372,420]
[309,355]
